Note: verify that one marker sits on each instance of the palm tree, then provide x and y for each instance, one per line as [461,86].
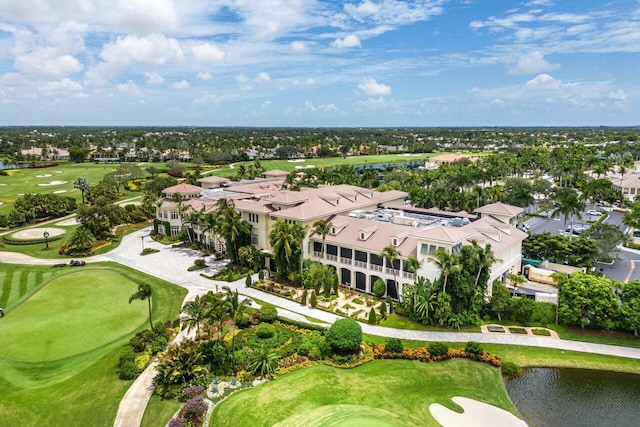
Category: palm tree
[235,308]
[83,185]
[391,254]
[82,239]
[232,229]
[322,227]
[560,279]
[447,263]
[263,361]
[286,240]
[144,293]
[568,203]
[196,312]
[484,258]
[413,265]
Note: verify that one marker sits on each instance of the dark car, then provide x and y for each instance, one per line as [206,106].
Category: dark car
[77,263]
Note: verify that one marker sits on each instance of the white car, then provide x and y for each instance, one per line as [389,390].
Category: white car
[593,212]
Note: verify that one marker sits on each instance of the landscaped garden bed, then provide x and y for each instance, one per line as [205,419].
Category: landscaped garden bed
[517,330]
[541,332]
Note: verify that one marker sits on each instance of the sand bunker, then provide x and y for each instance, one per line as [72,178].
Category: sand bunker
[67,222]
[478,414]
[296,160]
[37,233]
[52,183]
[57,171]
[47,175]
[409,155]
[304,167]
[59,191]
[1,203]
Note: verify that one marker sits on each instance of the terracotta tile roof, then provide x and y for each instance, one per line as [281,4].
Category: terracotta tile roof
[500,209]
[182,188]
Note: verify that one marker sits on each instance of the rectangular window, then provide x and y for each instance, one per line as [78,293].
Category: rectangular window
[254,239]
[175,231]
[174,215]
[424,248]
[432,250]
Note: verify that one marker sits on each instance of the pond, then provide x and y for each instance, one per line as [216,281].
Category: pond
[553,397]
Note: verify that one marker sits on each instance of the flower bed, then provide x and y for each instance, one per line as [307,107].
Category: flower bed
[541,332]
[517,330]
[422,354]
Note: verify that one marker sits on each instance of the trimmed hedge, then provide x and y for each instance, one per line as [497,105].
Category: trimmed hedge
[302,325]
[19,242]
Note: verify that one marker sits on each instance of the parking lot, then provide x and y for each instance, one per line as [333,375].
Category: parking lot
[625,268]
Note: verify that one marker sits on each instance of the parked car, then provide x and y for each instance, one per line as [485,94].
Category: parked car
[593,212]
[577,229]
[77,263]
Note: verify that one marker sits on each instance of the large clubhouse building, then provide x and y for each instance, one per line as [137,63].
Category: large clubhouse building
[363,222]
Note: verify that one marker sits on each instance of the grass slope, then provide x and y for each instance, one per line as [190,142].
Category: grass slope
[17,282]
[67,375]
[382,392]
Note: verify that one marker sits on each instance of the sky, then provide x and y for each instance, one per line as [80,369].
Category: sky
[320,63]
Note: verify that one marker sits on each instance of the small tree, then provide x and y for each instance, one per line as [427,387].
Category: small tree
[303,300]
[379,288]
[335,287]
[261,275]
[389,301]
[373,318]
[314,299]
[383,310]
[344,336]
[248,281]
[268,313]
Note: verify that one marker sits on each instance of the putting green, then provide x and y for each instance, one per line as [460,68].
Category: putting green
[344,416]
[73,314]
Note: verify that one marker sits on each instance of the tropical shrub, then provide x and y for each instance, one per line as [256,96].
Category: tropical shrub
[303,300]
[344,336]
[393,345]
[473,348]
[268,313]
[314,299]
[191,391]
[127,369]
[438,349]
[357,300]
[510,369]
[194,409]
[265,330]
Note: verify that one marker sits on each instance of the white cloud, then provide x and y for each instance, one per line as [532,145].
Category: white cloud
[63,87]
[265,105]
[11,80]
[154,49]
[263,78]
[241,79]
[393,12]
[311,110]
[207,53]
[372,88]
[348,42]
[532,63]
[46,62]
[142,16]
[130,87]
[183,84]
[154,78]
[204,76]
[35,12]
[298,46]
[618,95]
[308,81]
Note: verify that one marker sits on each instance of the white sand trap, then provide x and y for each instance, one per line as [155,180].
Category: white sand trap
[57,171]
[47,175]
[59,191]
[477,414]
[3,184]
[409,155]
[1,203]
[37,233]
[52,183]
[67,222]
[296,160]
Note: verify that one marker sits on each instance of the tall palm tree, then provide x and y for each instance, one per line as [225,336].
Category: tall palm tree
[484,258]
[322,227]
[447,263]
[235,308]
[196,312]
[144,293]
[561,279]
[391,254]
[286,241]
[82,184]
[413,265]
[568,203]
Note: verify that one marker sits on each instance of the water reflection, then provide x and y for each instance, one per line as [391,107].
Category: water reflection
[551,397]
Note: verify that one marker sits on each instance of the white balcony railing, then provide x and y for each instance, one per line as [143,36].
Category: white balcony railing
[344,260]
[361,264]
[375,267]
[332,257]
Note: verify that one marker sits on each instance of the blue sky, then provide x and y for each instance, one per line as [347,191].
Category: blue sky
[320,63]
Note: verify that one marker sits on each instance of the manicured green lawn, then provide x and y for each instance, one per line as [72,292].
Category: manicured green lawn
[401,322]
[17,282]
[289,166]
[59,348]
[24,181]
[159,411]
[381,392]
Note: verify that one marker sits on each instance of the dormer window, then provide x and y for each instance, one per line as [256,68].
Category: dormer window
[395,242]
[362,236]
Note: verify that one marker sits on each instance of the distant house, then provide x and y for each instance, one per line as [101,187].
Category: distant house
[445,159]
[48,153]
